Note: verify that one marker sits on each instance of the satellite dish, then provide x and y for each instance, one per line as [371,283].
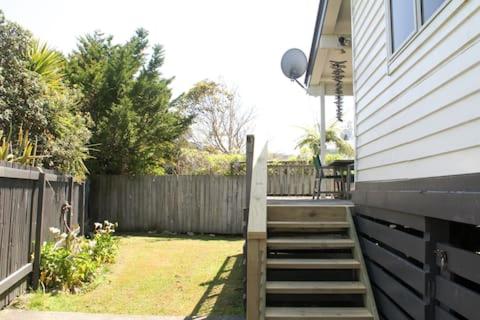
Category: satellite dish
[294,63]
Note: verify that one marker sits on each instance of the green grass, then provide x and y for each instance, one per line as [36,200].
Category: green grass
[160,275]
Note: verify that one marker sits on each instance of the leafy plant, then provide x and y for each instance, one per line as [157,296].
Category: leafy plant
[48,63]
[71,261]
[22,151]
[311,140]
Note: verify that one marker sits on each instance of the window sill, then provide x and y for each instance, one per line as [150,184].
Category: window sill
[418,38]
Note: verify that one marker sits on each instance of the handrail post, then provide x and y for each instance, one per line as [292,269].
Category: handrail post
[257,235]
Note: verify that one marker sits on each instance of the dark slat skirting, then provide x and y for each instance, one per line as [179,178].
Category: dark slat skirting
[409,245]
[452,198]
[461,299]
[461,262]
[409,273]
[402,296]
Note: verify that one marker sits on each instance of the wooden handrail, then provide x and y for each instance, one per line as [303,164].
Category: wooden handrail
[257,234]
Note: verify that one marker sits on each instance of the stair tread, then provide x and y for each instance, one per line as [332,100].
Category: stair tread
[274,263]
[317,313]
[309,242]
[308,224]
[319,287]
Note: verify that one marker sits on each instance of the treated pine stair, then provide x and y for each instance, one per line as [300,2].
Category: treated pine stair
[314,267]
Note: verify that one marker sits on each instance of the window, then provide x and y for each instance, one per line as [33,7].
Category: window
[406,17]
[403,21]
[429,7]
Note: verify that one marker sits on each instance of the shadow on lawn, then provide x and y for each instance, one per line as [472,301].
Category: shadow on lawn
[223,295]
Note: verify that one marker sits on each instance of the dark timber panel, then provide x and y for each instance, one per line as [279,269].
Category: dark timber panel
[411,304]
[387,307]
[453,198]
[462,262]
[404,219]
[443,213]
[407,272]
[410,245]
[441,314]
[457,297]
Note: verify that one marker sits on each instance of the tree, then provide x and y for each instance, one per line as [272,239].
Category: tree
[136,127]
[34,99]
[220,123]
[311,140]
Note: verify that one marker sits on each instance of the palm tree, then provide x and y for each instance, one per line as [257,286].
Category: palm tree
[311,139]
[48,63]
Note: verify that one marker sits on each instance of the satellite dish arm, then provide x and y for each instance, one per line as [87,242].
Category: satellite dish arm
[300,84]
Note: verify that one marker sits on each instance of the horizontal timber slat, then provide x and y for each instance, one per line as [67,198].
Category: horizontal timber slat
[441,314]
[409,273]
[413,305]
[387,307]
[408,244]
[435,204]
[15,277]
[457,297]
[461,262]
[401,218]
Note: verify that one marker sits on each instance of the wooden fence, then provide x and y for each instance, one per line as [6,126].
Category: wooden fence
[30,203]
[200,204]
[290,179]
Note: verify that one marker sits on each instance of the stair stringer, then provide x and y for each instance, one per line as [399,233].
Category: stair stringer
[364,278]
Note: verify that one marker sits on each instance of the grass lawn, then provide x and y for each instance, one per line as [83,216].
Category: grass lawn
[161,275]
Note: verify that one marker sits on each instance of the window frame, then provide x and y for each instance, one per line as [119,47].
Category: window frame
[418,28]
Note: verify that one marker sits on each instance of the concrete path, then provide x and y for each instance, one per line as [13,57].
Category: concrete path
[11,314]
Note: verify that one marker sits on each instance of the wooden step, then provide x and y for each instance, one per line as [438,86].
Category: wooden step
[308,224]
[312,264]
[285,313]
[306,213]
[308,243]
[315,287]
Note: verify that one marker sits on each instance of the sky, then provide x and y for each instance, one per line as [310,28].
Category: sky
[239,42]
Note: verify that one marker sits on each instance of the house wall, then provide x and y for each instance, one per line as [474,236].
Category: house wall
[417,191]
[418,113]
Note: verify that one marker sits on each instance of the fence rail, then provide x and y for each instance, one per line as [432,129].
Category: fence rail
[31,202]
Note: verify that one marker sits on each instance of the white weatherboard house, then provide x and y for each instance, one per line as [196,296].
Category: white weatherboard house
[413,67]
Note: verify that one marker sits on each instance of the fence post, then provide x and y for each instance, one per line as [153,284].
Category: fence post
[71,185]
[38,230]
[81,211]
[435,231]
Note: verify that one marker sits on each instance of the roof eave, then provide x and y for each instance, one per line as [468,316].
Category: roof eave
[322,9]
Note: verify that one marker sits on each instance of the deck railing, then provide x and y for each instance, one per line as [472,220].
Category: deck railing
[256,233]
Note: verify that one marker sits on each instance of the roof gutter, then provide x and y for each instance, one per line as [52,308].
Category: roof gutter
[322,10]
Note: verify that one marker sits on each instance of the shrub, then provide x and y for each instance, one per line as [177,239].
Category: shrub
[70,261]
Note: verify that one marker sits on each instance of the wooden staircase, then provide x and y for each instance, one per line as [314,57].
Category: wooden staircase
[314,266]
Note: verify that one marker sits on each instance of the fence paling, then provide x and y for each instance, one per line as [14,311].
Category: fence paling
[200,204]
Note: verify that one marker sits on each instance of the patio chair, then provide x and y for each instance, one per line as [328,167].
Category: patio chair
[320,175]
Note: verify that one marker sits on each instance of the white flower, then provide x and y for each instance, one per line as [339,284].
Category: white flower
[55,231]
[97,225]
